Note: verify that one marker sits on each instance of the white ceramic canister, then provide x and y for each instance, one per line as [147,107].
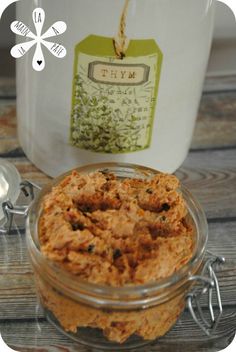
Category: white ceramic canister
[128,89]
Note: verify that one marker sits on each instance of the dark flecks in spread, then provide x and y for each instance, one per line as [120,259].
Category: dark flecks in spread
[165,207]
[77,226]
[117,254]
[91,248]
[149,190]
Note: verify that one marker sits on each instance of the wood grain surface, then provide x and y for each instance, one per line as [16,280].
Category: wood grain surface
[209,172]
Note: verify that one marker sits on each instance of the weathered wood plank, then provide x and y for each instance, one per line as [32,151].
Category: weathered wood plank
[216,123]
[219,83]
[5,106]
[222,241]
[8,138]
[8,63]
[40,336]
[211,176]
[7,87]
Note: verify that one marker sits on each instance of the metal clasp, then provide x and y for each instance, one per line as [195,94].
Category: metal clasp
[9,210]
[211,286]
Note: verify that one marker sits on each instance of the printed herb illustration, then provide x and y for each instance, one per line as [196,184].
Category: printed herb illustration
[109,119]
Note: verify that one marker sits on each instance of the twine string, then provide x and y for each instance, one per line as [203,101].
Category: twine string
[121,42]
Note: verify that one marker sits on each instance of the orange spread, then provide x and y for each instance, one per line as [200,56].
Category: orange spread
[115,232]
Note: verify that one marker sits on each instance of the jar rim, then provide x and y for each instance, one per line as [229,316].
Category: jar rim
[118,293]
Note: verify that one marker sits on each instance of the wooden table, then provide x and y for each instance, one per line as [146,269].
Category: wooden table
[209,172]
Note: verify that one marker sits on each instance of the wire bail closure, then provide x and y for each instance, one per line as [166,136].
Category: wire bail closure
[28,189]
[211,287]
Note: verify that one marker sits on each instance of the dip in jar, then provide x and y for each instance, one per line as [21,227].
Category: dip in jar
[113,247]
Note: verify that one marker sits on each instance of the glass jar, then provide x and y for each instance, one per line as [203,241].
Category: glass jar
[143,312]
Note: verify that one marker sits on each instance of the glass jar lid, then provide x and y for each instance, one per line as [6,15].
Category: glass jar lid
[9,184]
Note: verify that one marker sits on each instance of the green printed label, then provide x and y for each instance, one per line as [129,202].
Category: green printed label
[114,99]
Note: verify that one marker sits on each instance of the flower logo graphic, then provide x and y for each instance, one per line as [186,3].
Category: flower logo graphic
[38,39]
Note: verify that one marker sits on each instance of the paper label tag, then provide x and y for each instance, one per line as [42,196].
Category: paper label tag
[114,100]
[117,74]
